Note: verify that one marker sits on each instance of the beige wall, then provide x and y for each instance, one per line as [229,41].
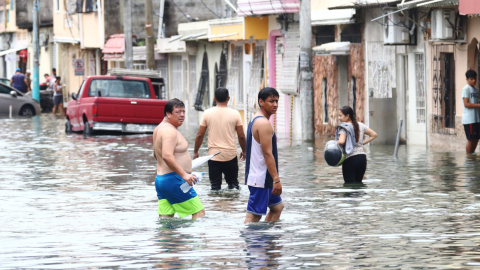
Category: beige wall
[59,23]
[84,27]
[90,29]
[464,60]
[2,25]
[67,54]
[11,25]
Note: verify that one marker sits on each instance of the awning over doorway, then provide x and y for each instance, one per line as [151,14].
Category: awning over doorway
[139,54]
[333,48]
[332,17]
[2,53]
[260,7]
[428,3]
[367,4]
[240,28]
[469,7]
[115,44]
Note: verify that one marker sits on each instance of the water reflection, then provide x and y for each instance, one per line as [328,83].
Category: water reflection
[72,202]
[261,245]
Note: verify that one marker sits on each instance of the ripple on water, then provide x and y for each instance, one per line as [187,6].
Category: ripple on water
[70,202]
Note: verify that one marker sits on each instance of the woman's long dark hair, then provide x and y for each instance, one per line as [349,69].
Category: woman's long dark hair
[347,110]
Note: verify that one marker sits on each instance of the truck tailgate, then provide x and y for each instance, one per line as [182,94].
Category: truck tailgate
[130,110]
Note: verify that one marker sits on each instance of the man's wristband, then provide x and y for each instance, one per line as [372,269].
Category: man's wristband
[277,182]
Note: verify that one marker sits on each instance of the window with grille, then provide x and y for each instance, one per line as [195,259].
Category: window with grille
[324,34]
[352,33]
[420,87]
[325,103]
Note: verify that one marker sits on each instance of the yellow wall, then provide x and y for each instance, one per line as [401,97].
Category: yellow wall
[59,19]
[227,29]
[84,26]
[45,62]
[11,25]
[2,25]
[67,53]
[256,27]
[90,28]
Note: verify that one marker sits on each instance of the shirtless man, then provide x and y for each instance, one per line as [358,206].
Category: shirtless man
[174,166]
[261,168]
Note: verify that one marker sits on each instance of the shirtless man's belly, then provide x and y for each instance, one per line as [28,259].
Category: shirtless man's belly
[180,153]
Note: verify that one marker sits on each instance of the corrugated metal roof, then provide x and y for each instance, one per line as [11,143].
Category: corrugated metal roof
[115,44]
[447,3]
[260,7]
[367,4]
[469,7]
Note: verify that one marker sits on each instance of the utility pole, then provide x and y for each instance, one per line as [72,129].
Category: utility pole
[36,52]
[161,34]
[306,75]
[127,27]
[149,32]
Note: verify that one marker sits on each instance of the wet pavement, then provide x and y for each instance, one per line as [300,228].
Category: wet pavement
[72,203]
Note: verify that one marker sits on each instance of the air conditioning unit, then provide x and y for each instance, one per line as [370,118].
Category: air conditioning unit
[443,24]
[396,28]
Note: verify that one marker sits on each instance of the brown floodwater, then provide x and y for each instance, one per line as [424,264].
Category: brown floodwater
[69,202]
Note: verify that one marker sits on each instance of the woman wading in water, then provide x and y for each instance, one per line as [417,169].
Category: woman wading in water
[351,134]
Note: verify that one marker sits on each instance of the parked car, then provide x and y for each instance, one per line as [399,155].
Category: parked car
[5,81]
[115,103]
[22,104]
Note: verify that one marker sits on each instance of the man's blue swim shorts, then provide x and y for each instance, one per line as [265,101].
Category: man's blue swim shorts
[260,199]
[171,198]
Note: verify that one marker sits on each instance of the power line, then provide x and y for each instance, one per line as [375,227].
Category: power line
[209,9]
[184,14]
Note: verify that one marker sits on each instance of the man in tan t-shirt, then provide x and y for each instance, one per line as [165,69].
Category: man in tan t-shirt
[222,123]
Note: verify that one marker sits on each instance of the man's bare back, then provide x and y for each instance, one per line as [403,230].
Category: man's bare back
[166,135]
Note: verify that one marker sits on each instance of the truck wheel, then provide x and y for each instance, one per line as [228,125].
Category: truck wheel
[68,127]
[87,130]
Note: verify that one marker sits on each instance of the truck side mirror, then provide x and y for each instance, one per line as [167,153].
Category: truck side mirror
[13,93]
[74,96]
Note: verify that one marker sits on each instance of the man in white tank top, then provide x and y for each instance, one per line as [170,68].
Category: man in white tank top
[261,168]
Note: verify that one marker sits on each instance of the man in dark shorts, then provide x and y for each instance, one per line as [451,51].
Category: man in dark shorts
[261,169]
[471,117]
[223,124]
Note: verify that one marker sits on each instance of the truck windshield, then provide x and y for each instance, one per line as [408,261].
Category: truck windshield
[119,88]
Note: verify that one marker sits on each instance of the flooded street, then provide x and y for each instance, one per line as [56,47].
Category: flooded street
[67,202]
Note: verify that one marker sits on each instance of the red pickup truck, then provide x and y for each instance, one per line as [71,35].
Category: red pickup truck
[114,103]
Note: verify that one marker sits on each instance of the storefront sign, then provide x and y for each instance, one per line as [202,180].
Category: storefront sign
[23,55]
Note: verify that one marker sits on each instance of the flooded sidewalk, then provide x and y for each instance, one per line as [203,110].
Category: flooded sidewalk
[67,202]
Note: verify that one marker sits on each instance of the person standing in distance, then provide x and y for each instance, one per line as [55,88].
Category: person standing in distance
[261,169]
[18,81]
[174,166]
[355,164]
[222,123]
[28,80]
[471,116]
[58,96]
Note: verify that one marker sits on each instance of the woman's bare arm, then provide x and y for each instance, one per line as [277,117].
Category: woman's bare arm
[372,135]
[342,139]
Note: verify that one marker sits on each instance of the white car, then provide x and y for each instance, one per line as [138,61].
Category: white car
[22,104]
